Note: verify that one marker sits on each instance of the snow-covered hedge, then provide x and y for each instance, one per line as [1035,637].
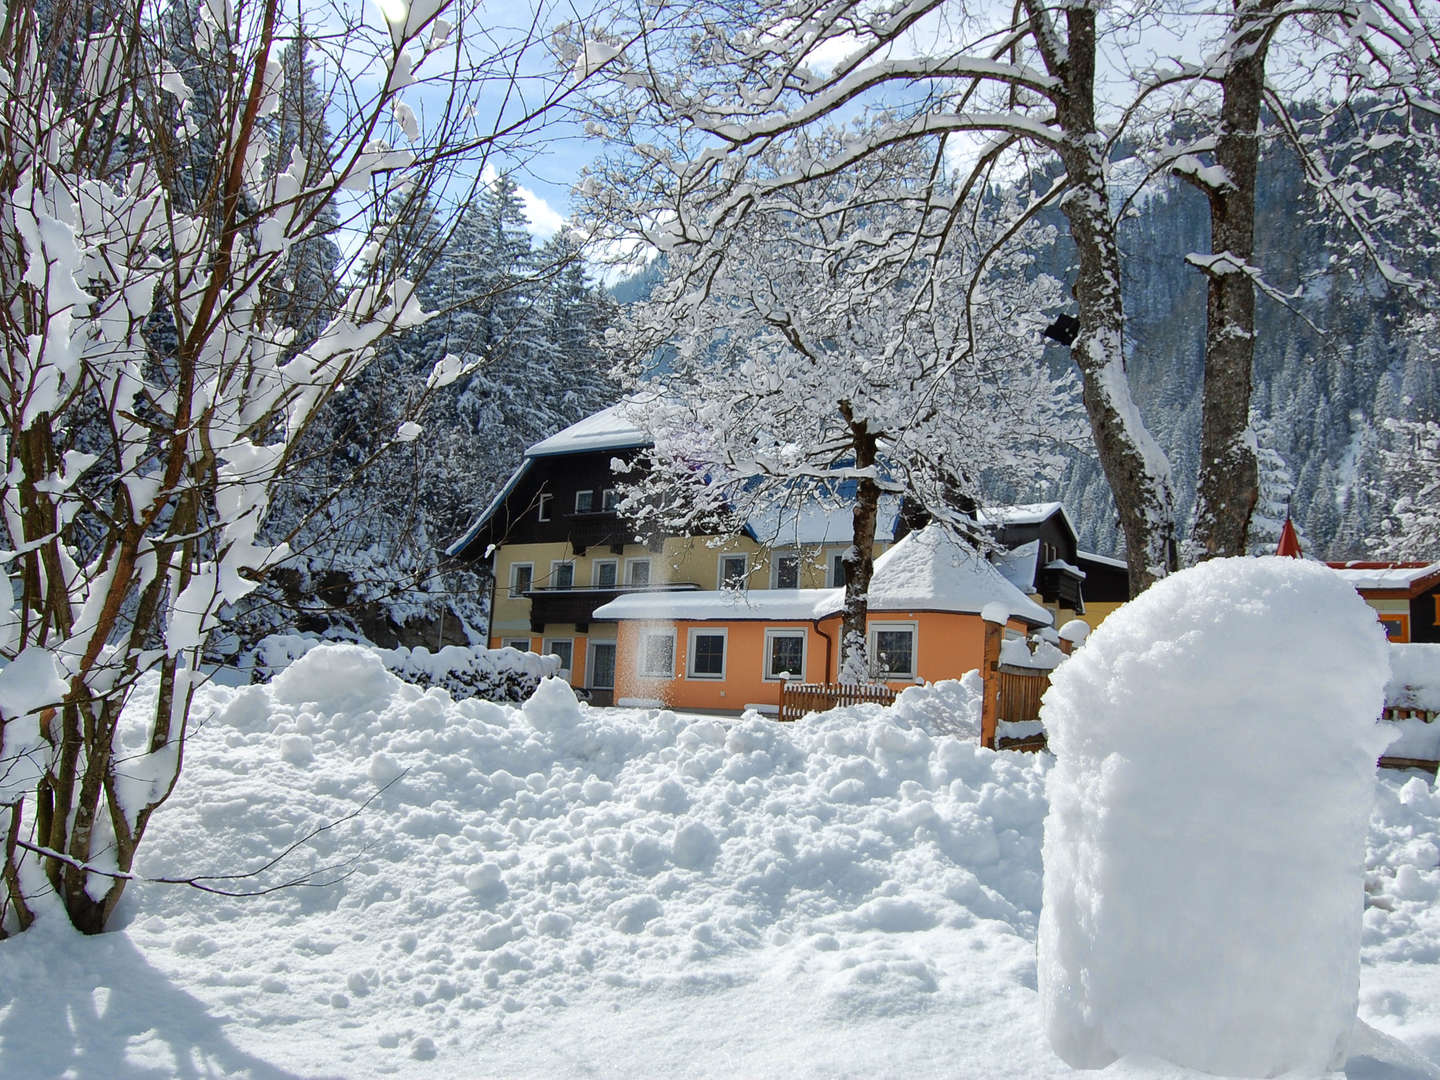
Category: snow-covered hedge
[493,674]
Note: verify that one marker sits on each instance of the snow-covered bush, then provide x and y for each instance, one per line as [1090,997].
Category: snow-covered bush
[492,674]
[1215,745]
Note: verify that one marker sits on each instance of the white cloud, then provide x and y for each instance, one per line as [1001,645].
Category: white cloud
[545,220]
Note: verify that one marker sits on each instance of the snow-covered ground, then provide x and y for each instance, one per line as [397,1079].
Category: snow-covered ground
[561,891]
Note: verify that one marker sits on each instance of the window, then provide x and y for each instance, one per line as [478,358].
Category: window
[837,569]
[521,643]
[608,499]
[543,512]
[656,654]
[787,571]
[600,671]
[707,654]
[604,573]
[733,571]
[564,648]
[1394,626]
[562,575]
[584,502]
[892,650]
[521,576]
[637,572]
[785,654]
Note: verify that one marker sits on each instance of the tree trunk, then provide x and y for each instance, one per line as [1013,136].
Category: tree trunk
[1134,464]
[859,559]
[1228,486]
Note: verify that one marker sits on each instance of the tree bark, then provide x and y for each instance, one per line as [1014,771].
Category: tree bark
[859,559]
[1135,466]
[1228,485]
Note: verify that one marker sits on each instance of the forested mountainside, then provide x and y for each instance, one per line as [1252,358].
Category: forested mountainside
[1333,361]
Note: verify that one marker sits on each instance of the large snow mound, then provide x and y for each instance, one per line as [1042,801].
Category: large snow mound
[561,892]
[1216,746]
[524,859]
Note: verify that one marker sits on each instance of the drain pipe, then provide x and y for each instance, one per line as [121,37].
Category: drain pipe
[829,649]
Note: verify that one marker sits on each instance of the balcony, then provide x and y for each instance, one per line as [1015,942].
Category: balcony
[578,604]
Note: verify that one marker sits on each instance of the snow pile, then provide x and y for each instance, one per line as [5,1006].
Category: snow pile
[559,891]
[494,674]
[1216,744]
[526,859]
[1414,677]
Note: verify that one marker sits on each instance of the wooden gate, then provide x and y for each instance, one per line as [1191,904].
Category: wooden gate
[1011,693]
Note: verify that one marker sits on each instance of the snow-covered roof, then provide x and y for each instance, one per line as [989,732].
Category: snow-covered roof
[1103,560]
[928,571]
[1065,568]
[813,523]
[1384,576]
[931,570]
[1024,514]
[609,429]
[1017,565]
[709,605]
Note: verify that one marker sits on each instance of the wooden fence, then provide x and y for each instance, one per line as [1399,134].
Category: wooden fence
[797,699]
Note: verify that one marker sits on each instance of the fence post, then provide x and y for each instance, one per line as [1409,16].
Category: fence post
[990,673]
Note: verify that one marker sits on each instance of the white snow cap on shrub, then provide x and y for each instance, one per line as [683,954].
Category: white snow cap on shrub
[1215,747]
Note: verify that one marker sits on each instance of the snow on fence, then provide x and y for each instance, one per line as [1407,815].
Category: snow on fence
[1016,677]
[797,699]
[1412,703]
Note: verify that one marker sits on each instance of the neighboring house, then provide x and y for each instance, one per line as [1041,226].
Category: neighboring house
[1405,595]
[727,649]
[1044,561]
[558,549]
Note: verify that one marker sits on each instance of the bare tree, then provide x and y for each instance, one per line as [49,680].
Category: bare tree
[155,386]
[996,95]
[802,367]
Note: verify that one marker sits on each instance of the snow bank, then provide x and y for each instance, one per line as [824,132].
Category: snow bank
[1216,746]
[526,859]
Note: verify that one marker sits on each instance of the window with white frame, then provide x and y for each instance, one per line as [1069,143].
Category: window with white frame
[637,572]
[655,654]
[784,655]
[522,575]
[562,574]
[542,511]
[521,643]
[705,653]
[837,569]
[892,650]
[584,502]
[604,573]
[734,570]
[787,570]
[564,648]
[608,499]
